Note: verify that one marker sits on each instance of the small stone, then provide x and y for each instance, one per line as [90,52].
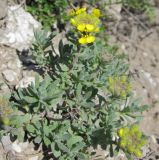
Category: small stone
[34,158]
[123,47]
[3,66]
[114,11]
[25,82]
[153,139]
[9,75]
[7,144]
[19,63]
[145,54]
[4,88]
[16,147]
[14,64]
[3,8]
[23,145]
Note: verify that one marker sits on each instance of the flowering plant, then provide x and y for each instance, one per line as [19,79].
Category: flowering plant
[82,100]
[86,24]
[132,140]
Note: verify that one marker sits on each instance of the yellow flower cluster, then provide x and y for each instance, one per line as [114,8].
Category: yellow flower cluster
[77,11]
[119,86]
[131,140]
[5,111]
[86,24]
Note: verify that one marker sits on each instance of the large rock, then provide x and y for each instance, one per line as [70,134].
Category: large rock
[19,28]
[3,8]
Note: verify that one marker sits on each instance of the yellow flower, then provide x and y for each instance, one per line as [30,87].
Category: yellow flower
[123,79]
[90,39]
[80,10]
[131,140]
[82,40]
[91,22]
[122,144]
[89,27]
[121,132]
[73,22]
[86,24]
[81,27]
[119,86]
[96,12]
[86,39]
[85,27]
[5,121]
[138,153]
[76,11]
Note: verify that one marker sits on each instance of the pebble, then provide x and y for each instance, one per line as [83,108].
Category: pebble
[16,147]
[7,144]
[14,64]
[25,82]
[10,75]
[34,158]
[3,8]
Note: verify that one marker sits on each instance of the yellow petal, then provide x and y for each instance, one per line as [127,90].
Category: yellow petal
[123,79]
[111,81]
[96,12]
[6,121]
[131,149]
[138,153]
[81,27]
[81,10]
[73,22]
[121,132]
[82,40]
[90,39]
[89,27]
[122,144]
[123,94]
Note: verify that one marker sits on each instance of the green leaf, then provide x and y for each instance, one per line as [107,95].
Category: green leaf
[38,140]
[79,90]
[61,47]
[47,141]
[82,156]
[73,140]
[30,99]
[63,147]
[19,132]
[46,129]
[20,135]
[64,67]
[88,104]
[78,147]
[55,151]
[37,81]
[30,128]
[88,95]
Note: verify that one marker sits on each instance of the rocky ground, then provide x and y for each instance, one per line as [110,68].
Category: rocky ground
[139,39]
[136,36]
